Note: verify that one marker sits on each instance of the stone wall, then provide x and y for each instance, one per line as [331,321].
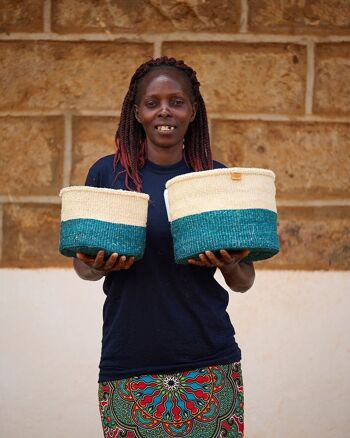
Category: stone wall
[275,76]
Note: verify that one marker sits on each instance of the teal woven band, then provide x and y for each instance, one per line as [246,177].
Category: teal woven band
[89,236]
[253,229]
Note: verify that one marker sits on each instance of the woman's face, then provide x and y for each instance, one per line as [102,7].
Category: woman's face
[165,108]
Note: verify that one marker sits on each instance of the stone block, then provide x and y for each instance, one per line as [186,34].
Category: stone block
[332,79]
[238,78]
[290,16]
[312,239]
[93,137]
[21,16]
[31,151]
[67,75]
[309,159]
[71,16]
[31,236]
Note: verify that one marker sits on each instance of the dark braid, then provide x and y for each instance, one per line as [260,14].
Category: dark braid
[130,137]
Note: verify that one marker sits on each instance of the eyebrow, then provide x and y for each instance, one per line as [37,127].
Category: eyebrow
[178,93]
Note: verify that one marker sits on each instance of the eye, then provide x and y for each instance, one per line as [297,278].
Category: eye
[178,102]
[150,103]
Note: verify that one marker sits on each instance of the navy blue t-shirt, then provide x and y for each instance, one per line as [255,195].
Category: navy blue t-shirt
[160,316]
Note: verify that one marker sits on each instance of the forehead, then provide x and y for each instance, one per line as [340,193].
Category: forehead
[160,79]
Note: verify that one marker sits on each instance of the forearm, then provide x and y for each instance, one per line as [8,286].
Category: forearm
[240,277]
[86,272]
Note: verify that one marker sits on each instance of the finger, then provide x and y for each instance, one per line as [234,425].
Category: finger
[205,260]
[195,262]
[119,264]
[213,259]
[227,257]
[245,252]
[242,253]
[111,261]
[129,262]
[237,255]
[85,258]
[99,260]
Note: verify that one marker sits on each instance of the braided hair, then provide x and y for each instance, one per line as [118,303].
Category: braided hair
[130,138]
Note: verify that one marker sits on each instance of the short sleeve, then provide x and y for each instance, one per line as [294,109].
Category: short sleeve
[92,178]
[218,165]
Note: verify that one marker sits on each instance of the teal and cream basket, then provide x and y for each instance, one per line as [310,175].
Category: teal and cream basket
[96,218]
[231,208]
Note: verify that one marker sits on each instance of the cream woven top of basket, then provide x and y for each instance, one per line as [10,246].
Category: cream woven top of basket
[199,192]
[108,205]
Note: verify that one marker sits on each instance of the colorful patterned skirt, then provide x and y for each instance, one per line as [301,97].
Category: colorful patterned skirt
[201,403]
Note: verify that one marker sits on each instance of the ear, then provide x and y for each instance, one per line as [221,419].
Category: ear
[136,112]
[194,111]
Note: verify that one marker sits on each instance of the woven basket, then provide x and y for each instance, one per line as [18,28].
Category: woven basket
[232,208]
[95,218]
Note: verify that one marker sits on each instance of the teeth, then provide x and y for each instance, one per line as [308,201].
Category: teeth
[165,128]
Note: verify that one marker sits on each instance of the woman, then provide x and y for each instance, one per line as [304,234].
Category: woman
[170,366]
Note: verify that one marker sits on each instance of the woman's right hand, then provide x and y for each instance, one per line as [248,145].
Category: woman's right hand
[94,268]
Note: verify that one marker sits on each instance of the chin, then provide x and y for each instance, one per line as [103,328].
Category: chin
[166,143]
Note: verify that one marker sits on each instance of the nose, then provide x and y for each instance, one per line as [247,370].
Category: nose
[164,110]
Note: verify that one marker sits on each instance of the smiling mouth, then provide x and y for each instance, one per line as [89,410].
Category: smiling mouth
[165,128]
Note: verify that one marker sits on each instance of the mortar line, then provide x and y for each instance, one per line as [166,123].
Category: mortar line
[101,113]
[278,118]
[48,113]
[214,116]
[310,77]
[47,16]
[1,230]
[341,202]
[157,49]
[244,16]
[41,199]
[178,37]
[313,203]
[30,113]
[68,145]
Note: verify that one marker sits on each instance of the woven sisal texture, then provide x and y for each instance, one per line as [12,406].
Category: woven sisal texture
[253,229]
[115,206]
[95,218]
[89,236]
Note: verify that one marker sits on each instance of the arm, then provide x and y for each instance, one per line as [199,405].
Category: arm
[90,268]
[238,276]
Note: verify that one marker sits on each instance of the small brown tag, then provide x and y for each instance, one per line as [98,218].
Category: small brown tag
[236,176]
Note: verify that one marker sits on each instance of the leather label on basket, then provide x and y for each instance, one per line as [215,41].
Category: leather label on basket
[236,176]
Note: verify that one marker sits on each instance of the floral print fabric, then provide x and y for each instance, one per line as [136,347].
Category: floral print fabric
[201,403]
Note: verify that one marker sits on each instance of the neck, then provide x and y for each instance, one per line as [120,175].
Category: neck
[164,156]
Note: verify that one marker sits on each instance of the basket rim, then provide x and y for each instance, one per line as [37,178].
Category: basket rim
[218,172]
[111,192]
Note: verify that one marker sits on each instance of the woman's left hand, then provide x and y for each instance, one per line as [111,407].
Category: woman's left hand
[238,276]
[224,260]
